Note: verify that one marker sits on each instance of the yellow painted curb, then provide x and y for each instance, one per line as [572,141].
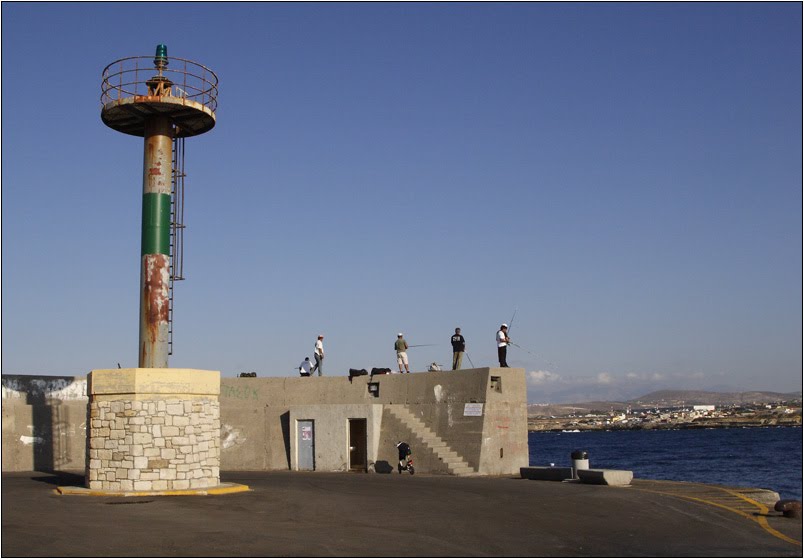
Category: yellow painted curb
[757,516]
[222,489]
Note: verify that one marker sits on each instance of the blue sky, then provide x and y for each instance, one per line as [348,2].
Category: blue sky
[626,177]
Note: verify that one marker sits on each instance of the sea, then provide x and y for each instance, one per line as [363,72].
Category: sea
[758,457]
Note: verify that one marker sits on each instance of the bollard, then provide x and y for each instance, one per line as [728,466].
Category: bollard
[789,508]
[580,461]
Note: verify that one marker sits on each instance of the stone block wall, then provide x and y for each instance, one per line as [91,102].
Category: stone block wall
[153,445]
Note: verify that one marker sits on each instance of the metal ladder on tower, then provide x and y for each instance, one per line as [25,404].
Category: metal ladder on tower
[176,227]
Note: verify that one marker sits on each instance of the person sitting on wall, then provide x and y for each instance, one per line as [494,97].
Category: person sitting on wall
[305,367]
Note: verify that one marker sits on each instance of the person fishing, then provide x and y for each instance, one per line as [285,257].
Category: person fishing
[458,348]
[401,347]
[502,345]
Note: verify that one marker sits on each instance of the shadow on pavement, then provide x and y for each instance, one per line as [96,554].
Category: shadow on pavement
[60,478]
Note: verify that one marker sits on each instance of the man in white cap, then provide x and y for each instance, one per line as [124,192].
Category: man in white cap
[319,355]
[401,347]
[502,344]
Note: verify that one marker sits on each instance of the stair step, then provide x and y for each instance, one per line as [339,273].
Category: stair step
[451,459]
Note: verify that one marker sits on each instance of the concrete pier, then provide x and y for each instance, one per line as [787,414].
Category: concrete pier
[319,514]
[468,422]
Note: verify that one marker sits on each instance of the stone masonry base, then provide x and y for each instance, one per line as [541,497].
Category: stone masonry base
[153,445]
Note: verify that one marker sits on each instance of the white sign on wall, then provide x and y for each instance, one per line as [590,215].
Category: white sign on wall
[474,410]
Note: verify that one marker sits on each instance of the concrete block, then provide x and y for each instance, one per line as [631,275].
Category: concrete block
[109,383]
[546,473]
[142,438]
[167,473]
[175,409]
[606,477]
[181,484]
[157,463]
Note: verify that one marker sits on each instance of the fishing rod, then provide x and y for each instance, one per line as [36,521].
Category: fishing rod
[548,363]
[422,345]
[511,324]
[470,360]
[520,347]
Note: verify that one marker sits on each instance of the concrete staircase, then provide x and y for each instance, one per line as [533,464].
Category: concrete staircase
[455,463]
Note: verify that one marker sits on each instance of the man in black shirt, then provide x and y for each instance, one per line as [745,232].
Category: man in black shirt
[458,347]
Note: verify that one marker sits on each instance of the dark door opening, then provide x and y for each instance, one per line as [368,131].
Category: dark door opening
[358,441]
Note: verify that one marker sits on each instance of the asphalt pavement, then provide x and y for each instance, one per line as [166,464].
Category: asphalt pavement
[312,514]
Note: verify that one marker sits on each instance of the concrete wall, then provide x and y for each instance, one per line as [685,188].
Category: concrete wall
[258,419]
[44,423]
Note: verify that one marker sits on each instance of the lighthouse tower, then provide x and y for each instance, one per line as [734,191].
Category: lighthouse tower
[153,429]
[164,100]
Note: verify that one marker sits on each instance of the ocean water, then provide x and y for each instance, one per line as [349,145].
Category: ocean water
[764,457]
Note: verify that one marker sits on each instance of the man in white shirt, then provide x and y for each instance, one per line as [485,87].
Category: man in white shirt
[502,344]
[319,355]
[305,367]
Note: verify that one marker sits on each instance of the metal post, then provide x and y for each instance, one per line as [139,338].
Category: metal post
[155,272]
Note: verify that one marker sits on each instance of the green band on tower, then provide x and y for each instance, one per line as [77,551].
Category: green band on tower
[155,224]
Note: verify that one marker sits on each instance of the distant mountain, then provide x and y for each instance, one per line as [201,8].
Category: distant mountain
[700,397]
[664,398]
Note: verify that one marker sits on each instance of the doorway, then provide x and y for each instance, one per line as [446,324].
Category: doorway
[358,442]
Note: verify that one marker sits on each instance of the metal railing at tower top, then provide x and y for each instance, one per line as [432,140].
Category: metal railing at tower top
[129,77]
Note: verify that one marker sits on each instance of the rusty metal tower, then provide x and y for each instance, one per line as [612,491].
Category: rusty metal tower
[163,100]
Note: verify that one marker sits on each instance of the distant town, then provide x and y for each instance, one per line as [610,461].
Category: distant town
[671,410]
